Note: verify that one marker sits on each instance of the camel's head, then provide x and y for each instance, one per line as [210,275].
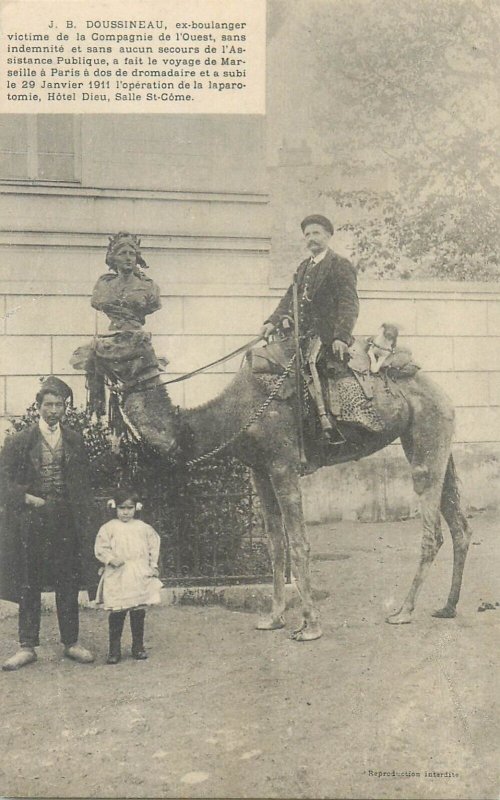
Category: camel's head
[127,362]
[153,417]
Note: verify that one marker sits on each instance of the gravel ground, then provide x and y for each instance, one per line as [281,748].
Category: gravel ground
[221,710]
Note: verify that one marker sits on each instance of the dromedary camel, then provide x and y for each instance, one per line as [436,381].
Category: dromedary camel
[263,434]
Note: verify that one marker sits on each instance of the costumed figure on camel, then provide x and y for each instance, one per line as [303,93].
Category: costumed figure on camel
[126,295]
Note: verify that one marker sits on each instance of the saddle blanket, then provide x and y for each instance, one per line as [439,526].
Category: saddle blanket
[352,394]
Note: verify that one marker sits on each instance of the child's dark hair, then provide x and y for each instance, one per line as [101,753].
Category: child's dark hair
[121,495]
[391,332]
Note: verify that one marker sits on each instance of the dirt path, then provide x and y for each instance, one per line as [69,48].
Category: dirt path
[221,710]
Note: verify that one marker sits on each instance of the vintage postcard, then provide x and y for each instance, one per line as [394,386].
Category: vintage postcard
[249,399]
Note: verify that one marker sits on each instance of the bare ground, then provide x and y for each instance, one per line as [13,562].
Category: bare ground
[221,710]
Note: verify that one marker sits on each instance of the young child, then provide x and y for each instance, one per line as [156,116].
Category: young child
[382,346]
[129,550]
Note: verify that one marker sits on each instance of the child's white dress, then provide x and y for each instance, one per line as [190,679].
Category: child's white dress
[134,583]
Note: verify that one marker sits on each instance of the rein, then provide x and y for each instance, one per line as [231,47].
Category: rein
[257,414]
[145,386]
[242,349]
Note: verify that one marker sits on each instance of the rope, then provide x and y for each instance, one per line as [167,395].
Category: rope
[255,416]
[236,352]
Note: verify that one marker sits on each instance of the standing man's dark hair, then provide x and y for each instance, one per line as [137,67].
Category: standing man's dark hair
[46,540]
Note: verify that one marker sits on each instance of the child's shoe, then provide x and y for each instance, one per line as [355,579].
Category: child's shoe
[139,654]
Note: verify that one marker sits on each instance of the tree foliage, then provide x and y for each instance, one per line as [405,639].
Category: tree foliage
[411,91]
[442,239]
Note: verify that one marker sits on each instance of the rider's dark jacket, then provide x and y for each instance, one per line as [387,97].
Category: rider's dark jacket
[327,297]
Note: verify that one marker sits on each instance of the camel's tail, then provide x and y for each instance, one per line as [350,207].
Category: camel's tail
[451,506]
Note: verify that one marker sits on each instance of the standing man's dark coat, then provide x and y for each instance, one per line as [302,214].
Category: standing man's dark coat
[19,464]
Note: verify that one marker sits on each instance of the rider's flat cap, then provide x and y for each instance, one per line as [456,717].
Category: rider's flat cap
[317,219]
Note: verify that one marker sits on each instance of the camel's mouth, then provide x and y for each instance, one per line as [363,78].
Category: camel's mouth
[168,448]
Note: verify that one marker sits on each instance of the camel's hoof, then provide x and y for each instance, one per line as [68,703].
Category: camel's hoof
[308,633]
[445,613]
[270,624]
[401,618]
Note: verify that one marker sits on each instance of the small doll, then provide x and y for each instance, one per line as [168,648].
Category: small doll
[382,346]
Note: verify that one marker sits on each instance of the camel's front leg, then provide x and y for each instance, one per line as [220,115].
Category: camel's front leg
[273,524]
[285,481]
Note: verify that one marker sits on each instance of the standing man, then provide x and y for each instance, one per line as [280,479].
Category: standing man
[46,538]
[327,302]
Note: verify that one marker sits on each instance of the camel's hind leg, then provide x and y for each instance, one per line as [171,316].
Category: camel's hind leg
[274,528]
[428,458]
[285,481]
[460,533]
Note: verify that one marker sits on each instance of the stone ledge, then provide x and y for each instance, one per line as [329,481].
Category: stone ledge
[251,598]
[77,190]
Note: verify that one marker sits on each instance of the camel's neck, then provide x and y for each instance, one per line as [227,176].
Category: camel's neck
[209,425]
[218,420]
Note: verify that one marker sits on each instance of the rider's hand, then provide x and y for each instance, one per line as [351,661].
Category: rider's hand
[339,349]
[32,500]
[115,562]
[266,330]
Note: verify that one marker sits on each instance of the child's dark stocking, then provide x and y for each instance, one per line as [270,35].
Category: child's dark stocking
[137,628]
[116,620]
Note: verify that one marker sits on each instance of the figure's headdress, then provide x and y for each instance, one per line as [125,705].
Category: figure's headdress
[117,241]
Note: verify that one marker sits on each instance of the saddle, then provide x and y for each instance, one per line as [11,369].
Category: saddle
[397,365]
[270,361]
[351,393]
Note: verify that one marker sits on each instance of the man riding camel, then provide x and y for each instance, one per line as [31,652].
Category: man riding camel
[328,303]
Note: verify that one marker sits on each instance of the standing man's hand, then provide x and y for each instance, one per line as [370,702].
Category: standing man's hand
[339,349]
[32,500]
[266,330]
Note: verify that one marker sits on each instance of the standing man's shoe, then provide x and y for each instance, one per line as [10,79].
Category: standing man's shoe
[115,653]
[24,656]
[78,653]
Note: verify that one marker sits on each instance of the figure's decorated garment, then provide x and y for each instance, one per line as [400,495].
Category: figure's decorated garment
[126,302]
